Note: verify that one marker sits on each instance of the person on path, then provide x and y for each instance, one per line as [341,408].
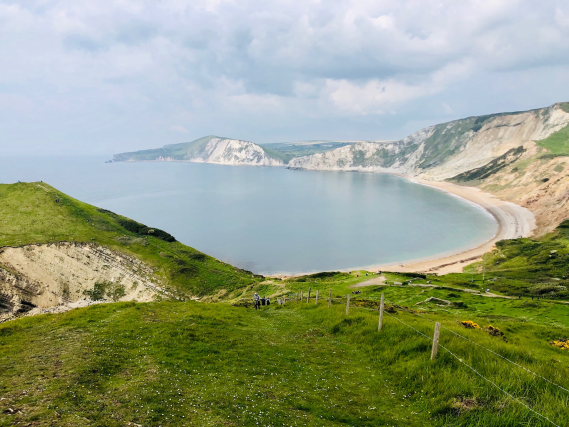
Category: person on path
[257,300]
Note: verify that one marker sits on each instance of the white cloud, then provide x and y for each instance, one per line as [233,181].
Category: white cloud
[382,96]
[147,64]
[374,96]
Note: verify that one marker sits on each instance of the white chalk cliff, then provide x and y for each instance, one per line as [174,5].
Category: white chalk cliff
[210,149]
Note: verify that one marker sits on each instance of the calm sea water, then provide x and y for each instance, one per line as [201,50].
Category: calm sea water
[271,220]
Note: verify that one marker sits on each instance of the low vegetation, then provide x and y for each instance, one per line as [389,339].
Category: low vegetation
[177,364]
[529,267]
[557,143]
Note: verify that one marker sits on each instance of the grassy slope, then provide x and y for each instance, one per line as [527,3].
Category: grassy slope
[38,213]
[533,267]
[176,364]
[181,151]
[557,143]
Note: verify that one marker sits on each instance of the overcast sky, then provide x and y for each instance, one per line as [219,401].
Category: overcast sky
[85,76]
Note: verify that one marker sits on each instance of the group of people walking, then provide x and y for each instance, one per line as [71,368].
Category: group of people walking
[260,301]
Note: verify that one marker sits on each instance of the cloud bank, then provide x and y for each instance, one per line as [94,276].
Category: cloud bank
[82,76]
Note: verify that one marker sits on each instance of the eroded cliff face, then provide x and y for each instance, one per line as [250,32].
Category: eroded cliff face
[55,277]
[495,136]
[234,152]
[536,182]
[498,153]
[446,150]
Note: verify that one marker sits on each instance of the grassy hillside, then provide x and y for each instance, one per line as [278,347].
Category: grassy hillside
[531,267]
[187,363]
[38,213]
[558,142]
[175,364]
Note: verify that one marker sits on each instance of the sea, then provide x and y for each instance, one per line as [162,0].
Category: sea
[271,220]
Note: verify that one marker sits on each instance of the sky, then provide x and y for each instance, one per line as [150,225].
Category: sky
[101,77]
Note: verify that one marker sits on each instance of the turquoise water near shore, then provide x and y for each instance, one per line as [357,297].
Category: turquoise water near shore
[272,220]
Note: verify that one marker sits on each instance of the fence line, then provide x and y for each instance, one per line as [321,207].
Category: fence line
[460,360]
[521,402]
[497,354]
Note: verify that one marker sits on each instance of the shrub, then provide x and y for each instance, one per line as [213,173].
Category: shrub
[105,290]
[470,324]
[143,230]
[563,344]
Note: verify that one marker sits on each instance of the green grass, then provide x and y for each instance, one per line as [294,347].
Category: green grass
[38,213]
[185,363]
[557,143]
[174,364]
[531,267]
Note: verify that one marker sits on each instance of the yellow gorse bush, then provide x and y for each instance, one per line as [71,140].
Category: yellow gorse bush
[562,344]
[470,324]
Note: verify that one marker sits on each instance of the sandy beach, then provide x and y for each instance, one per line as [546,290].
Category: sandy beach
[513,221]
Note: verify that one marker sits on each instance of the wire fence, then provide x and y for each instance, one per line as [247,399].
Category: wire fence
[302,297]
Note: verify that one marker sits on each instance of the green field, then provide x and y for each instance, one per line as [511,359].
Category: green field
[200,364]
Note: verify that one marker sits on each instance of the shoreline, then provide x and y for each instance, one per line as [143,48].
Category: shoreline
[513,221]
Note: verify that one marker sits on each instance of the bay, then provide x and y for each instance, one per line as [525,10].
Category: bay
[271,220]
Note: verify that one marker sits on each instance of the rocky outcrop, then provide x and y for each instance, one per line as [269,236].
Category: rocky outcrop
[235,152]
[59,276]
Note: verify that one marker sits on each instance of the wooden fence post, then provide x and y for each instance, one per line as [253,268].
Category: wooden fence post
[435,349]
[348,304]
[330,299]
[301,297]
[381,308]
[309,291]
[317,295]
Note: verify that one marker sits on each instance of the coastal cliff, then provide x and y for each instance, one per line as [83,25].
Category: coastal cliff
[210,149]
[446,150]
[522,157]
